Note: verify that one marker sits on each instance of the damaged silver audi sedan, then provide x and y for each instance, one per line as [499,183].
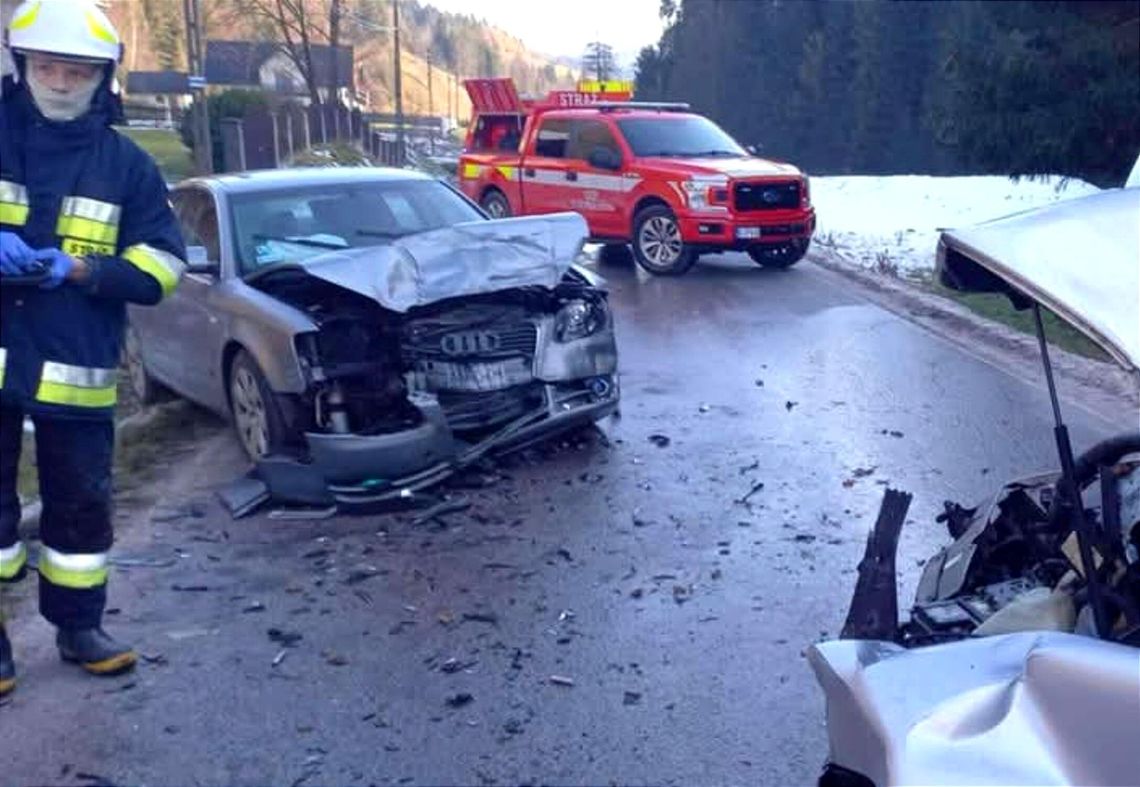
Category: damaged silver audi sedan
[374,327]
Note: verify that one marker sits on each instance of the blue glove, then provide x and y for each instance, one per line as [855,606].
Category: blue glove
[16,257]
[59,265]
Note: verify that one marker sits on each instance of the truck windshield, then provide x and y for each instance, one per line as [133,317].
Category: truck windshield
[688,136]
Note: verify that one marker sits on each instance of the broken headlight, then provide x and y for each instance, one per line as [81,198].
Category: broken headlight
[578,319]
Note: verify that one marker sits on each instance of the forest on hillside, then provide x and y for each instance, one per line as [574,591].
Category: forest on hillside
[456,44]
[885,87]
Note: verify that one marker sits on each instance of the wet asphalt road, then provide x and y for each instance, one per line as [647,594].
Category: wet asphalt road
[678,608]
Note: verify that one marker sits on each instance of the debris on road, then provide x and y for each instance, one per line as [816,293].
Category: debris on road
[759,485]
[189,588]
[682,593]
[286,639]
[631,698]
[637,593]
[561,680]
[863,472]
[759,383]
[459,700]
[280,657]
[440,509]
[482,617]
[454,665]
[704,408]
[256,606]
[334,658]
[660,440]
[790,404]
[754,466]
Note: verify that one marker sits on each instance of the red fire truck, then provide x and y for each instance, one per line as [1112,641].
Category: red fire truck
[669,182]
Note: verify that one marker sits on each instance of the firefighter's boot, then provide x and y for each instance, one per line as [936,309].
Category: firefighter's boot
[95,651]
[7,665]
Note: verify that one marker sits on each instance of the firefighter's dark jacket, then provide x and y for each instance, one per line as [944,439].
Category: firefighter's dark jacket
[84,188]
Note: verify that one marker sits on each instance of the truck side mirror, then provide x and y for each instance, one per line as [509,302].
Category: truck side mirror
[605,158]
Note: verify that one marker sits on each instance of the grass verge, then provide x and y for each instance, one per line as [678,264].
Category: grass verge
[173,158]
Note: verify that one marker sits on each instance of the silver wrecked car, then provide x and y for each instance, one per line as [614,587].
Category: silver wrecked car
[1019,661]
[375,326]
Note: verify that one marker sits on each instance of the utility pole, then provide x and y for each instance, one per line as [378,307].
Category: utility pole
[431,108]
[400,150]
[200,116]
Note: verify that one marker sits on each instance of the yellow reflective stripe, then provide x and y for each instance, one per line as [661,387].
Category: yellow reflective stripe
[99,30]
[86,229]
[87,208]
[16,215]
[12,559]
[471,170]
[3,363]
[163,266]
[507,172]
[13,203]
[78,386]
[26,19]
[73,571]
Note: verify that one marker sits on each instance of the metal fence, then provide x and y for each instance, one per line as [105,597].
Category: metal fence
[268,139]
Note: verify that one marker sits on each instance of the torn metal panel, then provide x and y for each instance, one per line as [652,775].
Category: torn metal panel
[462,260]
[1020,709]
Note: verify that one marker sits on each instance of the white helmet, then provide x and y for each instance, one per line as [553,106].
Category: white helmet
[69,28]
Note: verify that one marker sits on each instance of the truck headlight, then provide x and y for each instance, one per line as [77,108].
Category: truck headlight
[697,193]
[578,319]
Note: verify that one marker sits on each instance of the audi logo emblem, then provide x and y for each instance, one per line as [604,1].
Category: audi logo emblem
[470,343]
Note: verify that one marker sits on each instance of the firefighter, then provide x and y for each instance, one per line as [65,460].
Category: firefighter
[86,211]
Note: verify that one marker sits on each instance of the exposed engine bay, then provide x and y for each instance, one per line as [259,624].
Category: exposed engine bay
[1016,564]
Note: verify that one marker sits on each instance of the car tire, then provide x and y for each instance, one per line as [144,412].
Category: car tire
[781,256]
[146,389]
[254,410]
[657,243]
[496,205]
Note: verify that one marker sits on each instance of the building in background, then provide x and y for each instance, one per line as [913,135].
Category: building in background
[266,66]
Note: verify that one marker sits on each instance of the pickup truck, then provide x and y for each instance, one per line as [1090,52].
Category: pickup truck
[669,182]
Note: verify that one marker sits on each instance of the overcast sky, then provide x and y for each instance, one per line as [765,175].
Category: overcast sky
[557,29]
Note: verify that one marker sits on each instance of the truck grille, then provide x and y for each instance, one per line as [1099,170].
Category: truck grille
[767,196]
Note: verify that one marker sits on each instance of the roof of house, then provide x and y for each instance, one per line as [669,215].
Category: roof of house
[158,82]
[237,62]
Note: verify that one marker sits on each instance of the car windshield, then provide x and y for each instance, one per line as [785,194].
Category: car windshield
[292,225]
[687,136]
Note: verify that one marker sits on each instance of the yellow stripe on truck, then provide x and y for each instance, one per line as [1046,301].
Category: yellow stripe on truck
[471,171]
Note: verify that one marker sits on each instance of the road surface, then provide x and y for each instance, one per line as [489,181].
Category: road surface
[673,576]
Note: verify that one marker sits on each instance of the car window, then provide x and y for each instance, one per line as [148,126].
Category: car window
[198,220]
[553,138]
[682,136]
[591,135]
[292,225]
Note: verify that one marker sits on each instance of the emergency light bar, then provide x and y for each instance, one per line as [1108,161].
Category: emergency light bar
[610,106]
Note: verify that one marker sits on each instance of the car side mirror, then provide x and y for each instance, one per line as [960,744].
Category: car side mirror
[605,158]
[754,149]
[198,261]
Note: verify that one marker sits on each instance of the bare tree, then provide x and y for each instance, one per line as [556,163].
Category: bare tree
[292,22]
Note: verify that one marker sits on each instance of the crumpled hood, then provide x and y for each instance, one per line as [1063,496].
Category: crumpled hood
[731,167]
[1030,708]
[465,259]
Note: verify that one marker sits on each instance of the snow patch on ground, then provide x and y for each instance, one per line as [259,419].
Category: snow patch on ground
[891,224]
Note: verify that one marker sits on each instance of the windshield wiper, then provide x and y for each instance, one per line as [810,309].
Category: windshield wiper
[316,244]
[380,234]
[713,153]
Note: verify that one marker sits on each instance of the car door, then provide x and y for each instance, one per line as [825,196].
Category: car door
[544,177]
[186,350]
[597,192]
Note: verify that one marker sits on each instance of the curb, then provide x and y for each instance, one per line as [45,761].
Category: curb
[994,342]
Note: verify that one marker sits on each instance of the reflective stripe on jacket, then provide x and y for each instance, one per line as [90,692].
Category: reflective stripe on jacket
[86,189]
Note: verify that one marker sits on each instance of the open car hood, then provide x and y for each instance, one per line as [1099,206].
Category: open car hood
[1079,258]
[464,259]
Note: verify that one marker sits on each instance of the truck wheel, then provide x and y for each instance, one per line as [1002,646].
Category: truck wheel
[784,255]
[496,205]
[657,243]
[257,418]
